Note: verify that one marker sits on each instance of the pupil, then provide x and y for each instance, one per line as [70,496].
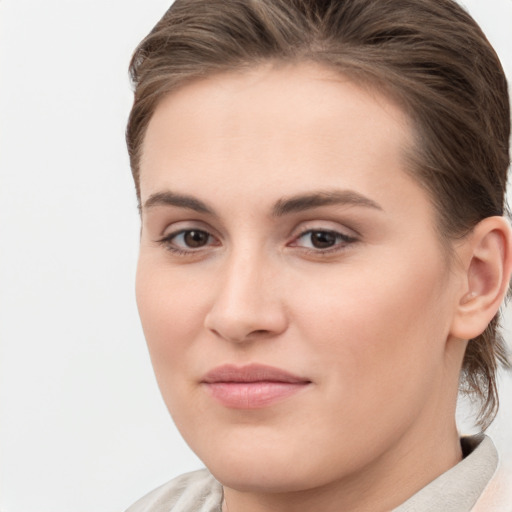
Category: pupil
[196,238]
[323,239]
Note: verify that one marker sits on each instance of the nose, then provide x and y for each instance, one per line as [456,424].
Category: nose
[247,301]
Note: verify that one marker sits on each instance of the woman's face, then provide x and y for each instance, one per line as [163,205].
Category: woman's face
[293,292]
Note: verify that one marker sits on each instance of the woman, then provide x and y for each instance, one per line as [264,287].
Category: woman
[323,249]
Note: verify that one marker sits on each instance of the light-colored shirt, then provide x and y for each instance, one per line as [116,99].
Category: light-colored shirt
[460,489]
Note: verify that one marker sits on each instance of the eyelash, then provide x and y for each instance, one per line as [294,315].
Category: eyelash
[342,241]
[167,241]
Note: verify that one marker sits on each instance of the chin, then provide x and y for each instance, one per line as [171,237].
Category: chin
[253,459]
[261,476]
[260,461]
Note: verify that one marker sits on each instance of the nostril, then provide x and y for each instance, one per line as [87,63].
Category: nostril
[237,323]
[217,333]
[259,332]
[241,337]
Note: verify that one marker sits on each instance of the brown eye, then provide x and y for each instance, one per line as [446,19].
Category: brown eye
[195,238]
[188,241]
[323,239]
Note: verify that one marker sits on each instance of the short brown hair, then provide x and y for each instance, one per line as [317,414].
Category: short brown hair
[430,56]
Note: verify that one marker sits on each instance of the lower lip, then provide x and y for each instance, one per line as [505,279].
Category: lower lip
[252,395]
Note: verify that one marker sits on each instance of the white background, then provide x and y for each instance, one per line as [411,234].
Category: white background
[82,424]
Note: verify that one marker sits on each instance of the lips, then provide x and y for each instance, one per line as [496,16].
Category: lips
[253,386]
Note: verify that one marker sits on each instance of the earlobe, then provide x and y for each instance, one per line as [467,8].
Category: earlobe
[487,266]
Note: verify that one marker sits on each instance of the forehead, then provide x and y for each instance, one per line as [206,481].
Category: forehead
[267,100]
[282,129]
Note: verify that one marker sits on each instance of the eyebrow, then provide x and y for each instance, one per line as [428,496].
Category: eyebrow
[285,206]
[169,198]
[309,201]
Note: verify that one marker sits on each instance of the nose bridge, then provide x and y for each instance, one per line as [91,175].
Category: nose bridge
[246,300]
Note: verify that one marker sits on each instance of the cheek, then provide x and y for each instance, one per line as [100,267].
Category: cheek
[171,314]
[381,328]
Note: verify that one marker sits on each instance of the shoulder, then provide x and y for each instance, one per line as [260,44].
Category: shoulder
[497,496]
[461,487]
[197,491]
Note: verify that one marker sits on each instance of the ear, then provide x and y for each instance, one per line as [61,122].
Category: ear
[486,255]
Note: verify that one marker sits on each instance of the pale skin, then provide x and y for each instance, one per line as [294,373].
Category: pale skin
[280,226]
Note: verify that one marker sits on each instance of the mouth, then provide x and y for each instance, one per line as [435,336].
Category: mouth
[252,386]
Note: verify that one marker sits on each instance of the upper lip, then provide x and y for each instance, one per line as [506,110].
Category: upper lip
[251,373]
